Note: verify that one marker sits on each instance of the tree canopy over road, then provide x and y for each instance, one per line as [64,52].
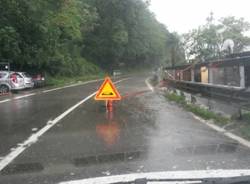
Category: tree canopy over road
[66,37]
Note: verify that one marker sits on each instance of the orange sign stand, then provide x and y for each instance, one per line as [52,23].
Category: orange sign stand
[108,92]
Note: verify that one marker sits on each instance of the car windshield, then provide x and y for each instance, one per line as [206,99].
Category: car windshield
[116,91]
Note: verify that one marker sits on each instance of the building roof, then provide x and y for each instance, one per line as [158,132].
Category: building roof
[232,60]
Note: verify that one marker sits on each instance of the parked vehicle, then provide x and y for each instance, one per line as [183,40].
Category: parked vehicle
[39,80]
[11,81]
[28,81]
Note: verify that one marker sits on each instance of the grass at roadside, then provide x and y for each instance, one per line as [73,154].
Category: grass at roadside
[61,81]
[246,117]
[244,129]
[176,98]
[199,111]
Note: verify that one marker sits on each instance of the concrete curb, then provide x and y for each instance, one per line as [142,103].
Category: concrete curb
[223,131]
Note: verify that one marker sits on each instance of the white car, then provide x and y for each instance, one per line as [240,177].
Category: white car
[28,81]
[11,81]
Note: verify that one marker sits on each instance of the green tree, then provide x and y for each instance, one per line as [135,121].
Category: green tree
[44,34]
[206,41]
[235,29]
[127,32]
[175,49]
[62,37]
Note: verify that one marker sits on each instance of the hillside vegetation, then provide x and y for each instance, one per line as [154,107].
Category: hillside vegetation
[69,37]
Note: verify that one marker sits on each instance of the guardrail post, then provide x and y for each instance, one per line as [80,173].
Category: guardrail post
[240,113]
[210,75]
[193,99]
[192,75]
[242,76]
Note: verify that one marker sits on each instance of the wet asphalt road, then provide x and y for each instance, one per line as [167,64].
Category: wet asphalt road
[144,133]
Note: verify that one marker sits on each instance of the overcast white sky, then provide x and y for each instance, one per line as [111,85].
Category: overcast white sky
[183,15]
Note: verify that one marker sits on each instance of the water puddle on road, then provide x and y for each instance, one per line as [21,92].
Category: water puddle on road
[93,137]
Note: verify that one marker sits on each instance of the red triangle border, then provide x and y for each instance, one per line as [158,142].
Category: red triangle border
[107,80]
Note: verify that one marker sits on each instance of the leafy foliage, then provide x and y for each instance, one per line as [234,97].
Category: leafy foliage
[206,41]
[64,37]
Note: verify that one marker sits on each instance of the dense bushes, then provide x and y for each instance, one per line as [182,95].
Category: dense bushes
[66,37]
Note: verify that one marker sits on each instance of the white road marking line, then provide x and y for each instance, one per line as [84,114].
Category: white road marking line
[3,101]
[122,80]
[24,96]
[49,90]
[224,132]
[149,85]
[34,137]
[175,175]
[72,85]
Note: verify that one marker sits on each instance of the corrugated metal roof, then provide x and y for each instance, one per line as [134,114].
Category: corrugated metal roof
[234,59]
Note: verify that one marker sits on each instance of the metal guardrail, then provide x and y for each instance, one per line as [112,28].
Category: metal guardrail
[237,95]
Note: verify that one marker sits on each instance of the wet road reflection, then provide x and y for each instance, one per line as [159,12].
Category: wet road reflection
[109,132]
[19,117]
[143,134]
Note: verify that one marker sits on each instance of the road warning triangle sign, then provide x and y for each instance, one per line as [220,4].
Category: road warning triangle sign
[107,91]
